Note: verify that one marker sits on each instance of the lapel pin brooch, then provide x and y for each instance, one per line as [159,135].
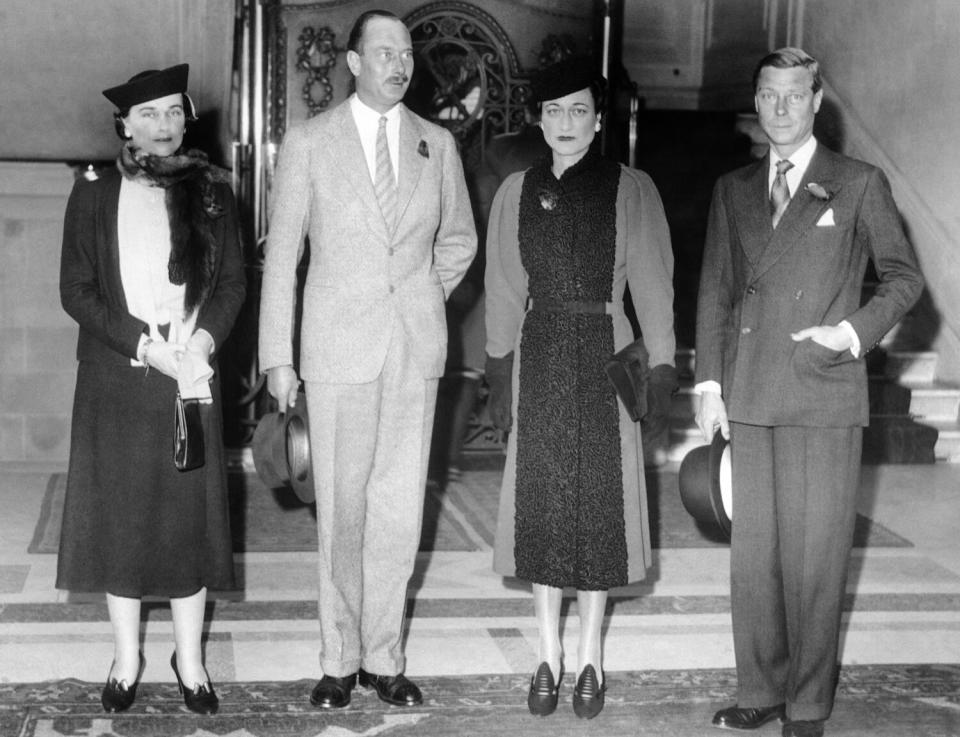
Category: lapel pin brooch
[548,199]
[423,150]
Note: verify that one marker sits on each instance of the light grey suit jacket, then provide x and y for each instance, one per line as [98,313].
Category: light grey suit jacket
[363,282]
[758,285]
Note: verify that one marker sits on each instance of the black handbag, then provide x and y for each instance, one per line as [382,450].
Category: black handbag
[628,370]
[188,448]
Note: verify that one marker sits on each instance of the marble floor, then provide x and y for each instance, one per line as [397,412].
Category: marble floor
[904,602]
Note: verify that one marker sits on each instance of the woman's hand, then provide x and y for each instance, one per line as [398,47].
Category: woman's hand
[164,357]
[201,344]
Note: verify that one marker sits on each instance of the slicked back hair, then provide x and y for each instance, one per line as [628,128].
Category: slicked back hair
[787,58]
[355,40]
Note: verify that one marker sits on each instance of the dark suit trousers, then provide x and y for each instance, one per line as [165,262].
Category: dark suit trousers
[794,507]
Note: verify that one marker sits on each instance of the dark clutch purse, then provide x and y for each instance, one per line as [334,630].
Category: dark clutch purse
[628,370]
[188,448]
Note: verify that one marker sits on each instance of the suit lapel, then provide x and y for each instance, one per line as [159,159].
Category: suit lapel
[413,157]
[753,221]
[111,246]
[803,212]
[347,155]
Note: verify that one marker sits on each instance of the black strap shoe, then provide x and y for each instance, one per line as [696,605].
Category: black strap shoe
[544,691]
[119,695]
[735,717]
[201,699]
[397,690]
[588,694]
[332,692]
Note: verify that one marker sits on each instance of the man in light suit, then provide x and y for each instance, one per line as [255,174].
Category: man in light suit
[780,339]
[381,195]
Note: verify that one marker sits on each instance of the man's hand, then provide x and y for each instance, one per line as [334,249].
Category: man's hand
[282,384]
[833,337]
[711,414]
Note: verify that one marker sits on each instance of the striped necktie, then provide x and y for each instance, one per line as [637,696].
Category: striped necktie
[780,193]
[385,185]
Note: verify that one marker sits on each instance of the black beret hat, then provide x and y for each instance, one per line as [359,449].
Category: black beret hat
[149,85]
[572,74]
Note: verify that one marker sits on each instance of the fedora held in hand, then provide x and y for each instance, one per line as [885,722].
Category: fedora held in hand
[281,450]
[499,373]
[629,370]
[705,485]
[188,447]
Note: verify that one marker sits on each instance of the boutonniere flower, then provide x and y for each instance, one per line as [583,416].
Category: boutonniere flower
[818,191]
[423,150]
[548,199]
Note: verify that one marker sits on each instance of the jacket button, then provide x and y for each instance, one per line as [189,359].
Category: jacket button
[390,252]
[745,331]
[751,290]
[391,289]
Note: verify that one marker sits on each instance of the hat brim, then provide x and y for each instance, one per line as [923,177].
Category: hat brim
[269,450]
[706,487]
[281,450]
[297,434]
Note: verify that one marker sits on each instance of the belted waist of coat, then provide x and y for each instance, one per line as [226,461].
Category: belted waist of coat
[583,308]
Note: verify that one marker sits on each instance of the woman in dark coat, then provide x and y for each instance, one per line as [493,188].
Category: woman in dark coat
[564,239]
[152,271]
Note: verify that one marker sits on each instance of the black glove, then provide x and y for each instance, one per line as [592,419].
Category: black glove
[662,384]
[499,372]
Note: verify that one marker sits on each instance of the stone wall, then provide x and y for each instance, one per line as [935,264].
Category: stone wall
[38,339]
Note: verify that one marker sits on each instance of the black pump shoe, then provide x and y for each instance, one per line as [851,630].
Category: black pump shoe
[588,694]
[118,695]
[201,699]
[544,691]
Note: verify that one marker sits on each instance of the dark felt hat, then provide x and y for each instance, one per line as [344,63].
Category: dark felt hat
[281,450]
[705,485]
[572,74]
[149,85]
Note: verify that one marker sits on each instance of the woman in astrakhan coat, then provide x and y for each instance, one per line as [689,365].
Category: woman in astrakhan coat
[152,271]
[565,237]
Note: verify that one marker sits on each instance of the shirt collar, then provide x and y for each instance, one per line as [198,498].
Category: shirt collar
[799,158]
[364,112]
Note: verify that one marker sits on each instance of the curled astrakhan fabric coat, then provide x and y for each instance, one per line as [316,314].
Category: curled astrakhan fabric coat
[573,509]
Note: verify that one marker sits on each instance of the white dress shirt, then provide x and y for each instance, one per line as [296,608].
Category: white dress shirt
[368,122]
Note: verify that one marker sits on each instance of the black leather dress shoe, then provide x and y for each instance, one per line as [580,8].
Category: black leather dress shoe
[736,717]
[544,691]
[803,728]
[397,690]
[332,692]
[201,699]
[588,694]
[119,695]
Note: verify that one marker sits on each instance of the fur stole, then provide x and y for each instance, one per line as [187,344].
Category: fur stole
[192,205]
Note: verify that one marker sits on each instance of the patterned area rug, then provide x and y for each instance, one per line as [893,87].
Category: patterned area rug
[881,701]
[458,517]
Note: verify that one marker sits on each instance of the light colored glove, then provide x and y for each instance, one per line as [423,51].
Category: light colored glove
[201,343]
[164,357]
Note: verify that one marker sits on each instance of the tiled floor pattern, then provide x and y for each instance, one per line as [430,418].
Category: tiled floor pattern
[903,603]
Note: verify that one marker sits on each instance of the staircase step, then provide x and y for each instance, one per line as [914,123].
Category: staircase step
[947,448]
[907,367]
[935,402]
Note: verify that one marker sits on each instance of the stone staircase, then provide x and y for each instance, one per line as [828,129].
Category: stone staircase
[914,418]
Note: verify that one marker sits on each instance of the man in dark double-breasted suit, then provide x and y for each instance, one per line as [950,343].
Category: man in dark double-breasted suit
[781,335]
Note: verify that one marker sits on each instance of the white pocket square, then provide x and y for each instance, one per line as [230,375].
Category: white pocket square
[826,218]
